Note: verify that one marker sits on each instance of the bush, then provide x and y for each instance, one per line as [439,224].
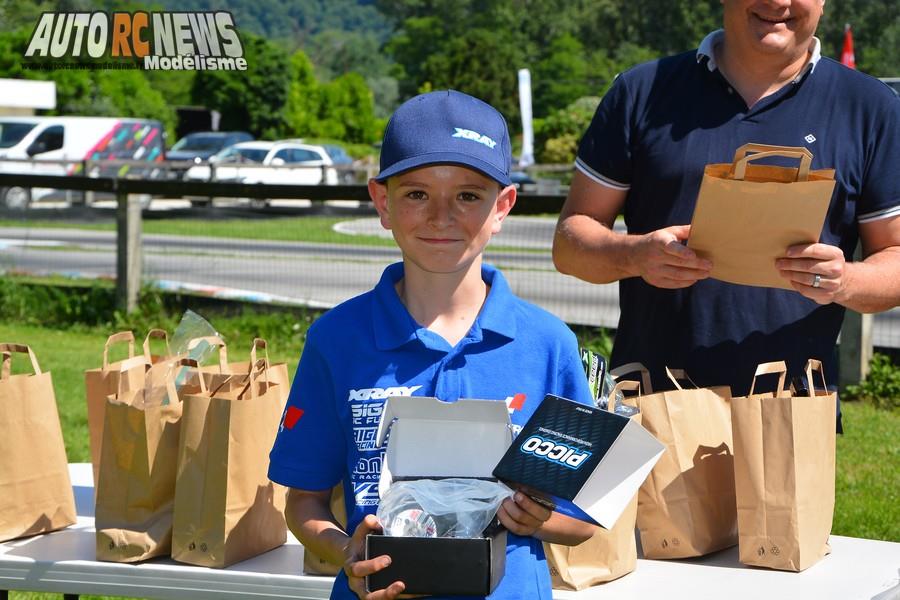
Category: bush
[881,386]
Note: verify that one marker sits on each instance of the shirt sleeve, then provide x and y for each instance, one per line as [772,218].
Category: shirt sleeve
[310,450]
[604,153]
[881,185]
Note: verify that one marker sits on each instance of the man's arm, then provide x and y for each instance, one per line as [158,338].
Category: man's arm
[869,286]
[586,246]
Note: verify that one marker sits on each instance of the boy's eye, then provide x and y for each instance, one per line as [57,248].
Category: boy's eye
[469,197]
[416,195]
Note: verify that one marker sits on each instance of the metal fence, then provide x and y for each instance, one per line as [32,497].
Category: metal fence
[311,245]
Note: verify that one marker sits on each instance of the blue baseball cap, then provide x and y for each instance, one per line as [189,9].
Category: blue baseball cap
[446,127]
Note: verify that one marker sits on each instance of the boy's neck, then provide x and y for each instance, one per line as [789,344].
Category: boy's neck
[445,303]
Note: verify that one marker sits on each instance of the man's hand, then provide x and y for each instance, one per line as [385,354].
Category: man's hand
[664,262]
[522,515]
[356,567]
[818,271]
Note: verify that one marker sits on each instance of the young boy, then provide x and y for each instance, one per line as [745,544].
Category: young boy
[442,324]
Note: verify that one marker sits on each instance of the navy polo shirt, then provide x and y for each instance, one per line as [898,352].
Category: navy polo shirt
[652,135]
[369,348]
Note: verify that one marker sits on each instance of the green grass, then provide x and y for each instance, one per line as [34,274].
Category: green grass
[288,229]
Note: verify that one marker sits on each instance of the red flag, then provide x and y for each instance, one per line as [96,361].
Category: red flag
[847,57]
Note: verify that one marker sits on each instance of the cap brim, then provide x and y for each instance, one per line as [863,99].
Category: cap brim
[445,158]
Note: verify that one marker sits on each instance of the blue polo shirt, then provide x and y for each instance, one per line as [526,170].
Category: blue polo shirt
[652,135]
[370,348]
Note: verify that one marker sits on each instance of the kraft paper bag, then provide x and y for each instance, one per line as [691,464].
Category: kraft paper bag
[784,453]
[747,215]
[686,506]
[607,554]
[136,483]
[104,382]
[35,491]
[226,509]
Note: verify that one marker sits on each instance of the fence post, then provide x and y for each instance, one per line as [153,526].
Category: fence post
[855,349]
[128,251]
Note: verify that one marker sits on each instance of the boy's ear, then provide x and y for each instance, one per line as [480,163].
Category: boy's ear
[506,199]
[379,193]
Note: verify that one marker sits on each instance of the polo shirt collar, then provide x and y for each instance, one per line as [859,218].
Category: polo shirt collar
[394,326]
[705,51]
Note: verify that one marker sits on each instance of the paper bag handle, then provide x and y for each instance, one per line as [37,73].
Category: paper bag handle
[8,350]
[122,336]
[634,367]
[622,386]
[158,334]
[258,368]
[216,341]
[814,365]
[771,368]
[676,375]
[741,158]
[259,343]
[127,365]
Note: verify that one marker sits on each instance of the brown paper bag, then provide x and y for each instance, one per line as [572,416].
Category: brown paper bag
[747,215]
[136,483]
[226,509]
[784,453]
[35,491]
[686,506]
[608,554]
[103,382]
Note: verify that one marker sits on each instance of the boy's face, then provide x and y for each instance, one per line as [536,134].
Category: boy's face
[442,216]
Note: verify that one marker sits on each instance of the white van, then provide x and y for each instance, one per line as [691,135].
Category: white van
[47,140]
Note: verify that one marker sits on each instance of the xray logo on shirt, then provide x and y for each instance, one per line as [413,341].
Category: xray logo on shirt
[365,412]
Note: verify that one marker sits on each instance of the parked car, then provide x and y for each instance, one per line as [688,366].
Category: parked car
[199,146]
[49,140]
[252,162]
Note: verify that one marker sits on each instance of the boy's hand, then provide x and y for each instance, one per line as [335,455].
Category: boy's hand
[522,515]
[356,567]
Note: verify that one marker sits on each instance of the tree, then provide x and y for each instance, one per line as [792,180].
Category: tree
[561,76]
[254,99]
[302,109]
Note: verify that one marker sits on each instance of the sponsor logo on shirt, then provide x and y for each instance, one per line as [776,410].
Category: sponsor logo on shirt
[381,393]
[291,416]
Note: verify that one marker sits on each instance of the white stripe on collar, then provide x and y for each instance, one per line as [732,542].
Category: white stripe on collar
[716,37]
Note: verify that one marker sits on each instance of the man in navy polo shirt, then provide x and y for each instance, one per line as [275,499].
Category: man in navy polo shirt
[762,79]
[442,324]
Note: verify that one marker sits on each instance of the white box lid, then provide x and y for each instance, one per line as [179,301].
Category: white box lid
[432,438]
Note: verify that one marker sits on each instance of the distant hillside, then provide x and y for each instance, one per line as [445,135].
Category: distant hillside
[295,21]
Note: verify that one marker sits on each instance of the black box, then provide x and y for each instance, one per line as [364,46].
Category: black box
[445,566]
[431,439]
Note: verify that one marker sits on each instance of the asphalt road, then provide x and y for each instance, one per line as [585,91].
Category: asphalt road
[321,275]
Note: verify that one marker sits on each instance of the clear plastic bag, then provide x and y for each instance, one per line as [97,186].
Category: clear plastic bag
[191,327]
[454,507]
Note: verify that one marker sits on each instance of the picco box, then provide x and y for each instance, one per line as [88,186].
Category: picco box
[428,438]
[582,461]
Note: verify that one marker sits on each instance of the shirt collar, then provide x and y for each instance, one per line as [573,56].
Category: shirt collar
[394,326]
[705,51]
